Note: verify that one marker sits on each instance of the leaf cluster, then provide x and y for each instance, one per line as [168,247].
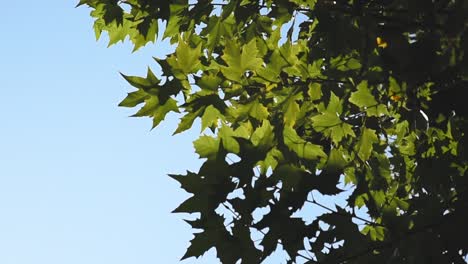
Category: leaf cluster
[313,96]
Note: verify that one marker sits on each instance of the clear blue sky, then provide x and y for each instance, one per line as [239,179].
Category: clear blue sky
[80,181]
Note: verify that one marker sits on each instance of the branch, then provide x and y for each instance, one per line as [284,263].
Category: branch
[345,215]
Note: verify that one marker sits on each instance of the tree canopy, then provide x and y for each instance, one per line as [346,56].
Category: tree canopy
[302,101]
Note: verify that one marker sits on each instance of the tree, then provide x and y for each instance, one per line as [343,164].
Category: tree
[299,97]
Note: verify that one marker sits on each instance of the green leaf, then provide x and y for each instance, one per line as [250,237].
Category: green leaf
[227,137]
[161,111]
[240,60]
[146,84]
[187,120]
[326,120]
[366,142]
[302,148]
[363,97]
[271,160]
[290,176]
[210,117]
[263,137]
[112,13]
[254,109]
[314,92]
[134,98]
[201,243]
[336,161]
[292,112]
[157,111]
[186,59]
[206,147]
[365,100]
[209,82]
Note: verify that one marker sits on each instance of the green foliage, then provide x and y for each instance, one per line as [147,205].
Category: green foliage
[357,98]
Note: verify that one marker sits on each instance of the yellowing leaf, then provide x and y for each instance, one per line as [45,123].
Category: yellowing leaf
[381,43]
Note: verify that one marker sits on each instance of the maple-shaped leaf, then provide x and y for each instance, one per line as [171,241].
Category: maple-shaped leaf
[302,148]
[185,59]
[206,147]
[292,111]
[363,97]
[148,30]
[190,182]
[330,123]
[330,175]
[263,137]
[201,243]
[210,117]
[290,176]
[209,81]
[148,84]
[254,109]
[134,98]
[227,136]
[113,12]
[366,142]
[187,120]
[157,111]
[240,59]
[271,160]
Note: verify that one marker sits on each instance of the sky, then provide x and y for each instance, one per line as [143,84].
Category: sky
[80,180]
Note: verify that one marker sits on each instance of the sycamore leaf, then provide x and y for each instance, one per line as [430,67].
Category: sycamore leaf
[134,98]
[148,29]
[365,100]
[330,124]
[271,160]
[314,91]
[302,148]
[209,82]
[254,109]
[187,121]
[113,12]
[335,161]
[366,142]
[227,136]
[335,105]
[206,147]
[290,176]
[173,23]
[191,182]
[325,120]
[157,111]
[263,137]
[363,97]
[240,60]
[210,117]
[161,111]
[146,84]
[201,243]
[292,112]
[186,59]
